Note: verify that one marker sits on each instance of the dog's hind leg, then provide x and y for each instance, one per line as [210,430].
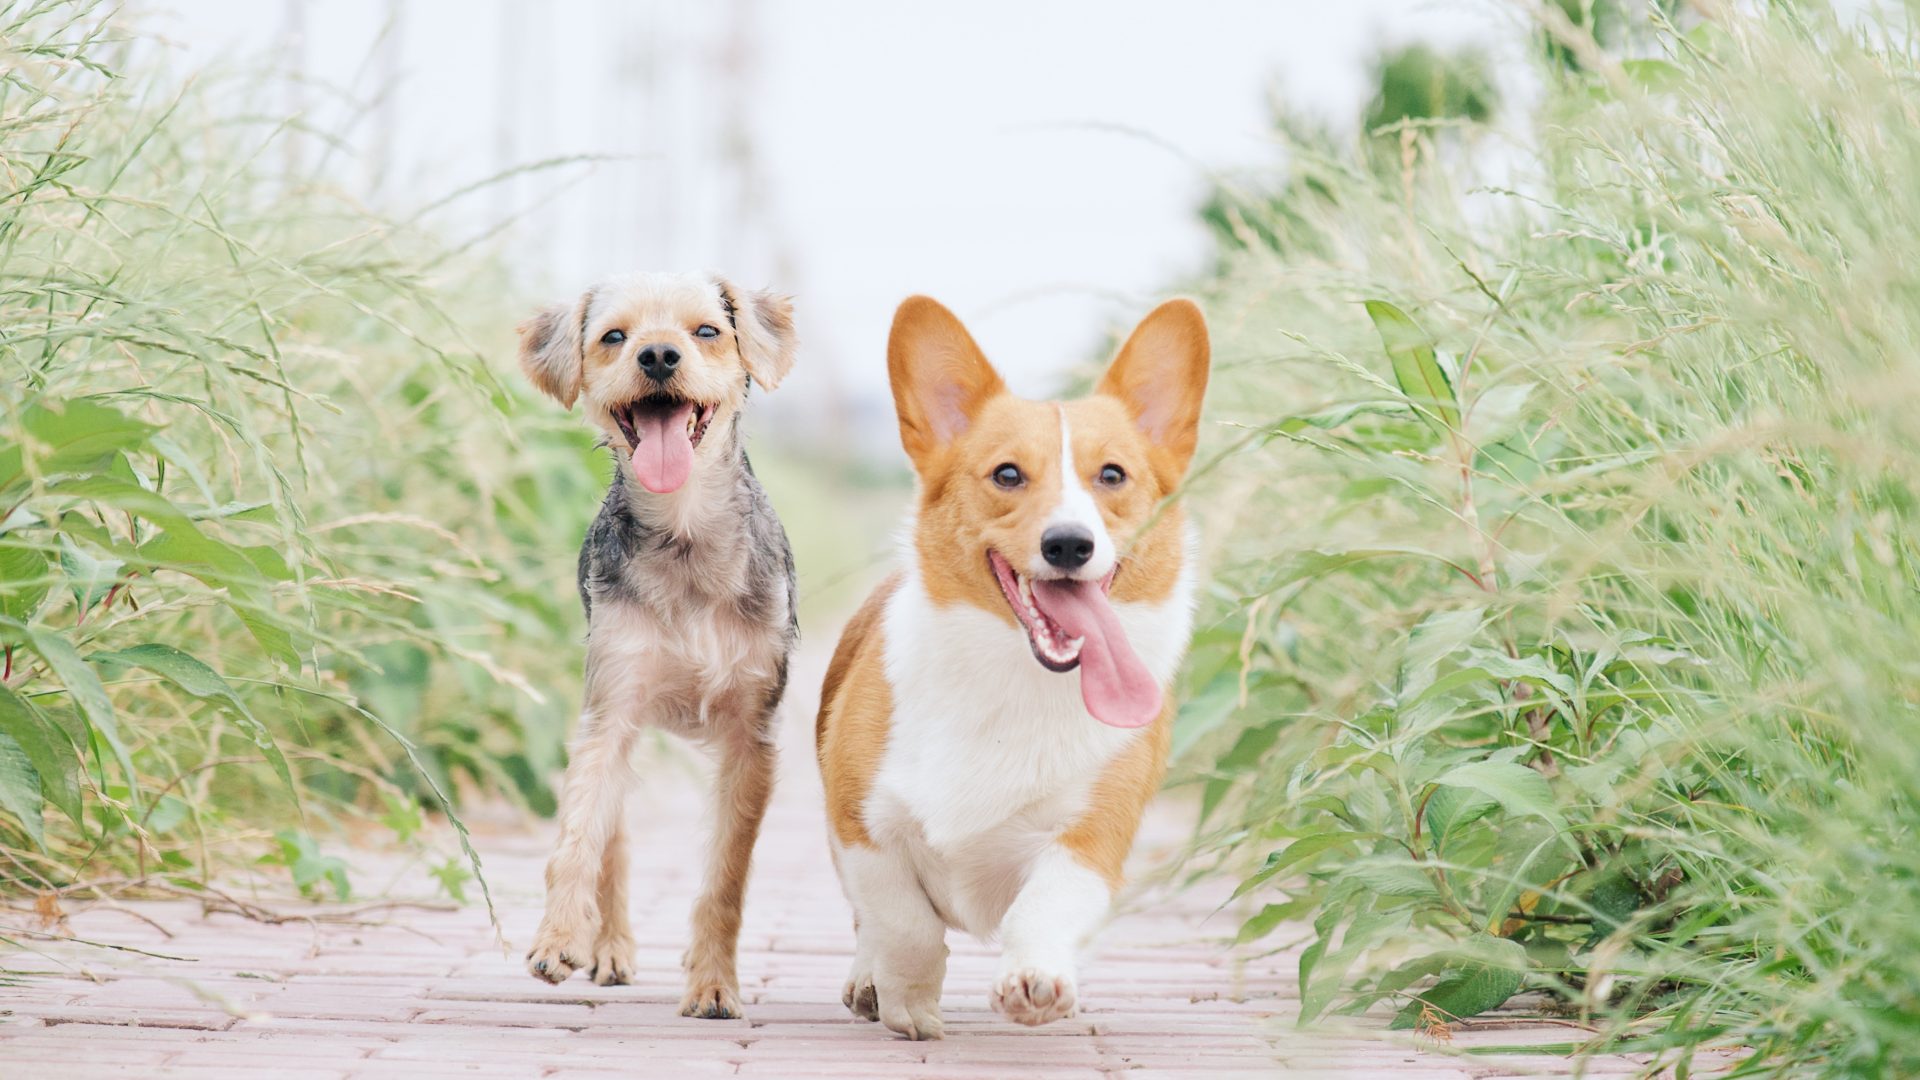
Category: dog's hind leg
[741,790]
[590,807]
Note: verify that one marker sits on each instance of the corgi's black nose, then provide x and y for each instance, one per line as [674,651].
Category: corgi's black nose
[1067,546]
[658,361]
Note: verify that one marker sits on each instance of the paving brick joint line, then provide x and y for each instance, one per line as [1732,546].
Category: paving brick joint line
[428,992]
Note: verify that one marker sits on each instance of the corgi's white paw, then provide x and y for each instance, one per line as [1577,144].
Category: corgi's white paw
[911,1009]
[1033,997]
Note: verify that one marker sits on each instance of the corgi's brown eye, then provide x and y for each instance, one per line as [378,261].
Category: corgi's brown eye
[1112,475]
[708,330]
[1008,476]
[613,337]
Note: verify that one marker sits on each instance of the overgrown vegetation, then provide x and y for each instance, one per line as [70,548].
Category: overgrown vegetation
[277,552]
[1566,607]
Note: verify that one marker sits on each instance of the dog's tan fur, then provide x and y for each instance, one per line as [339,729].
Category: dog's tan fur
[957,424]
[674,647]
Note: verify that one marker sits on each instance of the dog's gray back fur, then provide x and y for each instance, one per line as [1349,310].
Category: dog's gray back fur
[738,562]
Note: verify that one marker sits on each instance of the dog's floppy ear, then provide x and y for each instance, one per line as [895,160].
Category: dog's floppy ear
[1160,374]
[551,352]
[940,377]
[763,325]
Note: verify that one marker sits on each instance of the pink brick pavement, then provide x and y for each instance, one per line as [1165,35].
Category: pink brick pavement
[420,992]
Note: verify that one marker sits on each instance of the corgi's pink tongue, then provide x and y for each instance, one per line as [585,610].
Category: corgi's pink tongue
[1114,683]
[664,455]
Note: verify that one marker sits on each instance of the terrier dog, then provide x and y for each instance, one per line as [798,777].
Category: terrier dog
[972,781]
[688,587]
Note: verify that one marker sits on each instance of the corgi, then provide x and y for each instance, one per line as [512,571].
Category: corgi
[996,715]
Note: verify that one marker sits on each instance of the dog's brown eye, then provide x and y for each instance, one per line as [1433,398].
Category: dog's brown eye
[708,330]
[1008,475]
[1112,475]
[613,337]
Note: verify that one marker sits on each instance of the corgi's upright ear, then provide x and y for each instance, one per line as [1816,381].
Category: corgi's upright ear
[1160,375]
[940,378]
[550,349]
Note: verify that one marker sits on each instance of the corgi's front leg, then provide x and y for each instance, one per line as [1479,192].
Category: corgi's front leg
[1057,910]
[900,960]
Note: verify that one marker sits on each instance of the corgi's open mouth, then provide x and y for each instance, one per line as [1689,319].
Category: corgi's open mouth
[662,432]
[1053,645]
[1071,624]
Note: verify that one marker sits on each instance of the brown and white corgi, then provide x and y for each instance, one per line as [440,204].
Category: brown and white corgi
[996,715]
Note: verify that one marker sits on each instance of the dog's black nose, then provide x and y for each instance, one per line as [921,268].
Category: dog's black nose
[1067,546]
[658,361]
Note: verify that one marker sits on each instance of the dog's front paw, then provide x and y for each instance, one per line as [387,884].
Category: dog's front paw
[612,961]
[711,1000]
[913,1011]
[1033,997]
[859,996]
[556,953]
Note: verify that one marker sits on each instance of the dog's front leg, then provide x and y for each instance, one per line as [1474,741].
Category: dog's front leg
[900,960]
[740,794]
[587,870]
[1056,911]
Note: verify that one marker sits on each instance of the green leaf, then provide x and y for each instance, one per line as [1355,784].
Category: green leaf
[1270,916]
[1519,790]
[20,790]
[1435,638]
[1464,993]
[1451,809]
[1368,929]
[1496,411]
[90,578]
[453,876]
[1248,749]
[196,678]
[1614,899]
[75,435]
[1328,419]
[1293,854]
[47,746]
[24,581]
[221,565]
[402,816]
[83,685]
[309,867]
[1531,669]
[1416,368]
[1398,878]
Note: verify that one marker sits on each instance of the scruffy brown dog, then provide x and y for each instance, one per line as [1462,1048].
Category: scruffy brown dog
[688,585]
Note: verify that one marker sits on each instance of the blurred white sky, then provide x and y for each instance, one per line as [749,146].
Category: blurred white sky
[1036,166]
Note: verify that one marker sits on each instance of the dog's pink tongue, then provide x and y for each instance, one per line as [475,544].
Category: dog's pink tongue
[1114,683]
[665,455]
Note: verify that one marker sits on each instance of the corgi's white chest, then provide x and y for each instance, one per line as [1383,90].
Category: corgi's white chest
[989,755]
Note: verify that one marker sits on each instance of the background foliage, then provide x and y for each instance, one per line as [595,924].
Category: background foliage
[1562,493]
[276,550]
[1565,619]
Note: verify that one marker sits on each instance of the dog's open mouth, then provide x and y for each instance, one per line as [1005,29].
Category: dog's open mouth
[662,432]
[1071,624]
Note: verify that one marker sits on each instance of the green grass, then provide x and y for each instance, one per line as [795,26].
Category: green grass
[1567,555]
[277,550]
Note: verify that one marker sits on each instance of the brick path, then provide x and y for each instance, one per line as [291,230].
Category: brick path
[429,992]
